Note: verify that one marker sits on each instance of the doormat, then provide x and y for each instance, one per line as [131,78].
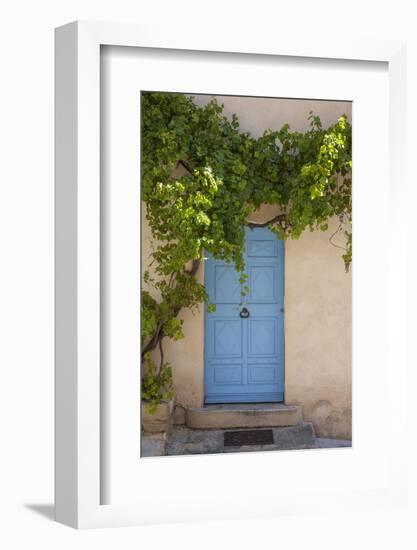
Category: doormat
[248,437]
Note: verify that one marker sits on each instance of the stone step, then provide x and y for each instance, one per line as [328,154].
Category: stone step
[256,415]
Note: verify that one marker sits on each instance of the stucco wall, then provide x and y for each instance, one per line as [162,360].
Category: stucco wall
[317,295]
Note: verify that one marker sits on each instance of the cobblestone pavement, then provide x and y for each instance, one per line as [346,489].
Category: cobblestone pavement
[186,441]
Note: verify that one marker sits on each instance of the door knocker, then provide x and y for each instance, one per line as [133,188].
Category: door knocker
[244,313]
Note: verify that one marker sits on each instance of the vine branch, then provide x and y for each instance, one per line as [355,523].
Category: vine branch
[184,165]
[161,351]
[333,235]
[280,218]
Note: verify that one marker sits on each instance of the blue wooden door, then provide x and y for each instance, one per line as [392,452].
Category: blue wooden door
[244,357]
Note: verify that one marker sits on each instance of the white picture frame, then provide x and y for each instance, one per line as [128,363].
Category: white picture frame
[78,264]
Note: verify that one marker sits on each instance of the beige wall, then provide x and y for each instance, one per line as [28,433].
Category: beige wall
[317,296]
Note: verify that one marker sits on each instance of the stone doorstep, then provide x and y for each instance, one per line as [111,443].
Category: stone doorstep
[257,415]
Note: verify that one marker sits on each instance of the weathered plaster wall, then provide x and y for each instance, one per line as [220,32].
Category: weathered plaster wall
[318,333]
[317,296]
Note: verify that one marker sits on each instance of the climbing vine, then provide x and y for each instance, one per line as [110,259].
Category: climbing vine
[201,180]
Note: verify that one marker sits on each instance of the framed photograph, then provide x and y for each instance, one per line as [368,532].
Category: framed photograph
[229,330]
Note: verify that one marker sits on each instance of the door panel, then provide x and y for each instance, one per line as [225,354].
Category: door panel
[262,337]
[244,357]
[226,284]
[227,338]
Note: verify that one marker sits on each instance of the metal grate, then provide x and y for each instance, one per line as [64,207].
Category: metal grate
[248,437]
